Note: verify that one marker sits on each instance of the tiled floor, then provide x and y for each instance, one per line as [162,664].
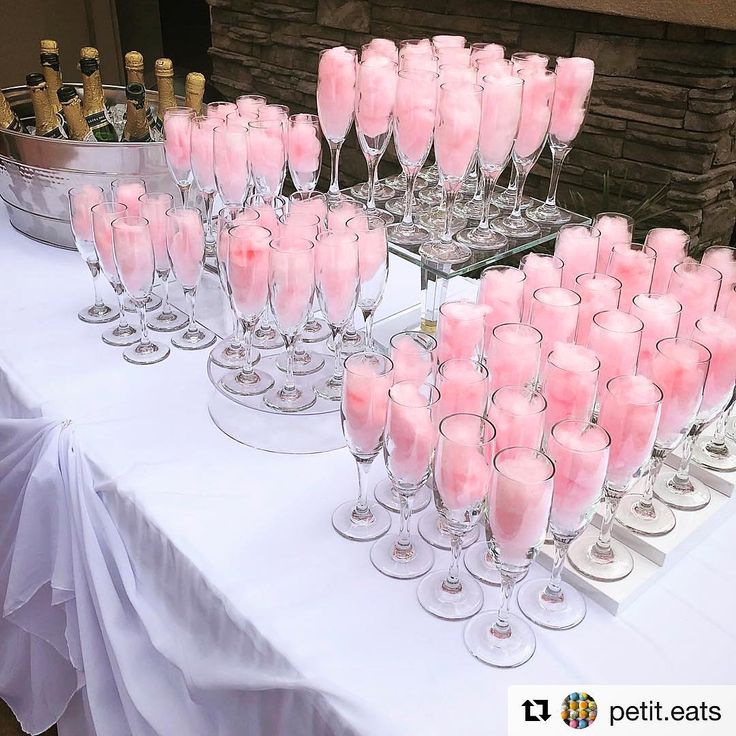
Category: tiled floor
[9,726]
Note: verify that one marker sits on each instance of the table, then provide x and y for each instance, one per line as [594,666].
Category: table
[159,578]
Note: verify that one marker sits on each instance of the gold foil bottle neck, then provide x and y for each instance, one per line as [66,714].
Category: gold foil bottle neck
[194,91]
[134,61]
[49,46]
[164,67]
[89,52]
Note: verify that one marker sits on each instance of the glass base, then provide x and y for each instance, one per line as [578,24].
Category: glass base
[396,206]
[516,227]
[305,363]
[330,389]
[452,605]
[439,252]
[615,566]
[479,563]
[384,215]
[482,238]
[350,526]
[336,198]
[431,196]
[301,398]
[506,202]
[397,562]
[546,214]
[560,614]
[472,209]
[225,356]
[659,521]
[153,302]
[388,498]
[95,315]
[353,342]
[431,530]
[170,321]
[315,330]
[121,337]
[397,182]
[152,353]
[722,462]
[267,339]
[411,235]
[696,497]
[247,384]
[197,339]
[434,221]
[382,191]
[511,651]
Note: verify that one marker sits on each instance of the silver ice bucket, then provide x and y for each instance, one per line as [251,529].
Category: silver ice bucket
[36,173]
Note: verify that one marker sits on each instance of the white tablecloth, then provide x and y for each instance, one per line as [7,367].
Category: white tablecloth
[156,577]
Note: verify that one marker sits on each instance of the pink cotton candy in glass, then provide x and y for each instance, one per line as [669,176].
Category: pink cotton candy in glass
[381,47]
[660,314]
[670,245]
[488,52]
[220,110]
[185,242]
[412,362]
[536,106]
[314,205]
[102,229]
[499,121]
[267,217]
[513,355]
[517,413]
[634,268]
[248,106]
[555,315]
[127,193]
[338,216]
[338,275]
[614,229]
[134,257]
[598,293]
[364,406]
[247,272]
[414,116]
[718,334]
[502,290]
[540,271]
[696,287]
[203,156]
[448,41]
[231,163]
[178,143]
[460,330]
[577,246]
[82,201]
[375,96]
[154,210]
[305,147]
[457,128]
[267,150]
[723,259]
[372,247]
[463,388]
[574,80]
[336,91]
[615,336]
[291,285]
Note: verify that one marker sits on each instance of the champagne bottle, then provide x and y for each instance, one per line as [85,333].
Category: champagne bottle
[94,98]
[136,125]
[164,70]
[71,107]
[47,124]
[51,70]
[134,75]
[8,119]
[194,91]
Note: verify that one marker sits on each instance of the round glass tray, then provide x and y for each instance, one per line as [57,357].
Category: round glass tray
[248,420]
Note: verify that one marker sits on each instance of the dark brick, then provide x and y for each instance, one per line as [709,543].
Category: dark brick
[617,25]
[698,163]
[613,55]
[351,15]
[698,121]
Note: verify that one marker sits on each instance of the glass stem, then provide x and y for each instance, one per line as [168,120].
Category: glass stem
[478,194]
[558,159]
[164,276]
[237,339]
[246,330]
[209,201]
[141,309]
[289,385]
[681,479]
[123,321]
[94,269]
[717,445]
[404,540]
[411,180]
[372,164]
[452,582]
[368,319]
[435,291]
[450,197]
[553,592]
[646,502]
[337,372]
[487,185]
[521,176]
[191,297]
[334,167]
[513,181]
[602,547]
[184,191]
[502,628]
[361,510]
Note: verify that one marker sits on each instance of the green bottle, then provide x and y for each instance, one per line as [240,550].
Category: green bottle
[94,97]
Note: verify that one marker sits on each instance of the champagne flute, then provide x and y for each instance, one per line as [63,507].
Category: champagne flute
[336,80]
[518,414]
[186,246]
[363,408]
[462,476]
[203,167]
[579,451]
[290,293]
[248,105]
[555,314]
[460,330]
[660,315]
[305,151]
[230,161]
[513,355]
[696,286]
[633,265]
[630,412]
[123,334]
[614,228]
[247,261]
[337,277]
[670,246]
[268,154]
[598,293]
[154,207]
[135,263]
[577,247]
[723,259]
[178,147]
[81,201]
[220,109]
[502,289]
[408,447]
[540,269]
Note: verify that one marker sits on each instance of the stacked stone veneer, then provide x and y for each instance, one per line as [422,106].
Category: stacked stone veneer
[662,109]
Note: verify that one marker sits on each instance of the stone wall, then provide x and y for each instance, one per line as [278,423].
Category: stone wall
[662,110]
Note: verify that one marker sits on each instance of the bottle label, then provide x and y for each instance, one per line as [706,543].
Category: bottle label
[98,119]
[53,133]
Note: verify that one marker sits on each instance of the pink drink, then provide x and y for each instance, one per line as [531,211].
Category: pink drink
[337,272]
[570,383]
[457,128]
[247,269]
[267,217]
[487,52]
[220,110]
[679,368]
[291,280]
[536,107]
[457,73]
[660,314]
[723,259]
[413,357]
[81,201]
[417,58]
[499,121]
[411,433]
[414,115]
[153,208]
[513,355]
[519,503]
[517,413]
[633,265]
[336,91]
[203,156]
[670,245]
[305,148]
[463,386]
[133,255]
[718,334]
[460,330]
[502,291]
[574,80]
[577,247]
[540,270]
[598,293]
[338,216]
[615,336]
[555,315]
[580,453]
[381,47]
[267,150]
[364,404]
[445,41]
[230,160]
[630,407]
[300,224]
[527,60]
[462,469]
[102,216]
[614,228]
[178,144]
[696,286]
[248,105]
[313,203]
[127,193]
[372,246]
[185,243]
